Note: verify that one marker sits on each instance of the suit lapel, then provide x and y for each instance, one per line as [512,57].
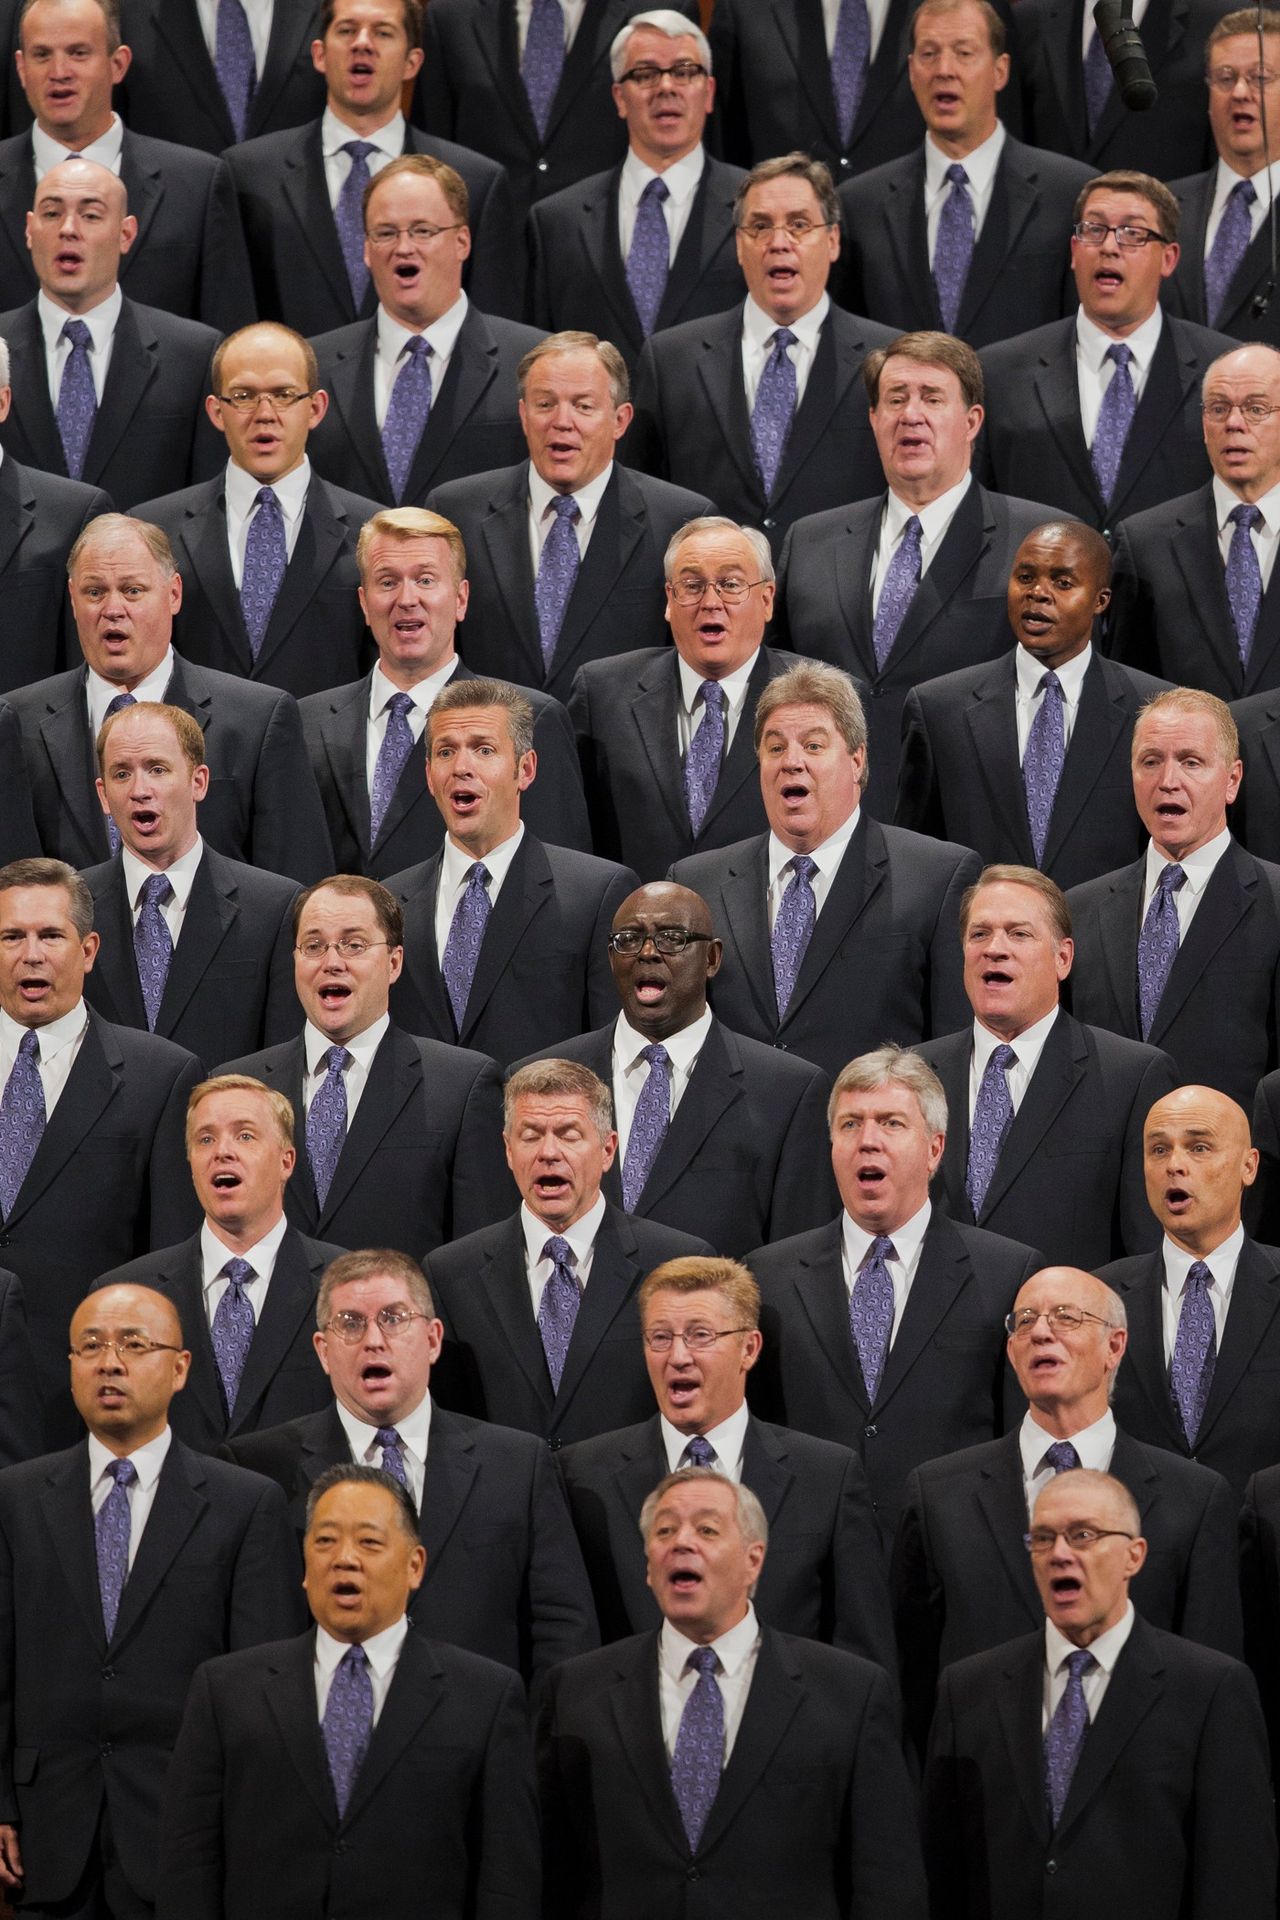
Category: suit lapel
[1196,206]
[1058,395]
[615,1271]
[1197,557]
[428,974]
[951,1063]
[1144,1359]
[906,234]
[653,709]
[212,912]
[820,1289]
[68,1514]
[591,42]
[93,1083]
[473,368]
[1014,198]
[597,241]
[617,534]
[31,408]
[319,546]
[306,194]
[1255,1296]
[135,365]
[184,1277]
[835,367]
[417,1688]
[1003,1505]
[17,513]
[964,544]
[703,239]
[944,1271]
[857,880]
[633,1703]
[395,1078]
[1120,932]
[289,1307]
[1100,720]
[505,533]
[17,194]
[714,1086]
[991,719]
[343,735]
[1157,412]
[803,33]
[1019,1706]
[739,764]
[745,896]
[116,970]
[178,22]
[204,535]
[1058,1073]
[1230,894]
[180,1503]
[1136,1683]
[720,372]
[351,390]
[504,1287]
[776,1693]
[290,1694]
[289,31]
[450,1477]
[527,889]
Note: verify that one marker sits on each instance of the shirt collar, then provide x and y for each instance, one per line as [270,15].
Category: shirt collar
[760,329]
[1221,1262]
[1225,501]
[290,490]
[581,1235]
[100,320]
[727,1440]
[147,1460]
[382,1651]
[1266,183]
[1106,1649]
[1094,1444]
[335,134]
[414,1429]
[682,1048]
[934,519]
[54,1037]
[734,684]
[441,336]
[1030,673]
[1031,1038]
[363,1046]
[907,1239]
[181,875]
[457,864]
[105,151]
[826,857]
[732,1648]
[422,693]
[980,164]
[1197,866]
[681,177]
[100,693]
[1142,342]
[262,1255]
[588,498]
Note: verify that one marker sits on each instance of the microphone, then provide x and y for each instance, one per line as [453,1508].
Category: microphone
[1125,55]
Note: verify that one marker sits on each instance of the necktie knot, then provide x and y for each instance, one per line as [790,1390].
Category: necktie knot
[1172,877]
[156,889]
[1003,1057]
[1199,1278]
[1245,516]
[77,332]
[956,175]
[400,704]
[1080,1662]
[29,1046]
[658,190]
[1050,682]
[565,507]
[237,1273]
[704,1660]
[559,1252]
[656,1055]
[265,497]
[478,874]
[1244,191]
[416,346]
[123,1472]
[119,702]
[803,867]
[358,149]
[355,1659]
[698,1452]
[711,694]
[335,1060]
[784,338]
[1120,354]
[388,1437]
[881,1248]
[1062,1456]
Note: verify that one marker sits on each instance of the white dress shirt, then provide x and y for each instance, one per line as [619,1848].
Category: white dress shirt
[181,877]
[441,336]
[356,1075]
[60,1044]
[826,858]
[1106,1650]
[1178,1264]
[542,519]
[581,1237]
[256,12]
[908,1240]
[1094,372]
[242,492]
[758,345]
[980,165]
[877,14]
[101,322]
[1028,693]
[141,1494]
[737,1652]
[572,10]
[727,1441]
[99,693]
[1263,537]
[382,1652]
[455,865]
[934,522]
[262,1257]
[1197,866]
[422,694]
[1094,1444]
[1266,186]
[415,1437]
[1027,1049]
[682,179]
[105,151]
[631,1070]
[691,709]
[387,142]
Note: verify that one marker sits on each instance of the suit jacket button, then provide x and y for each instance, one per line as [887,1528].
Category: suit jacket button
[108,1673]
[869,1433]
[1051,1866]
[339,1846]
[542,166]
[555,1443]
[780,1046]
[692,1874]
[104,1751]
[768,522]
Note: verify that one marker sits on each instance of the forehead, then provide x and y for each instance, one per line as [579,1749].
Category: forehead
[647,43]
[329,908]
[116,1308]
[118,553]
[409,196]
[1006,904]
[1178,732]
[72,20]
[1122,209]
[424,552]
[370,13]
[898,371]
[552,1110]
[1246,372]
[142,736]
[786,195]
[706,1303]
[889,1097]
[806,717]
[1062,553]
[695,1498]
[1195,1113]
[269,357]
[354,1503]
[721,547]
[663,905]
[486,722]
[235,1107]
[1078,1507]
[952,24]
[374,1291]
[1241,50]
[1060,1288]
[35,906]
[578,372]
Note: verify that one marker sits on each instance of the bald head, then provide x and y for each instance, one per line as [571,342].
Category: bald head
[1245,452]
[1069,1337]
[77,231]
[662,993]
[1197,1161]
[127,1362]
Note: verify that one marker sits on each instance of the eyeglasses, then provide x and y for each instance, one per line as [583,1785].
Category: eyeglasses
[1041,1540]
[798,227]
[352,1327]
[627,942]
[130,1346]
[351,946]
[421,234]
[689,588]
[681,73]
[244,400]
[1063,1319]
[1227,79]
[1129,239]
[1254,412]
[696,1339]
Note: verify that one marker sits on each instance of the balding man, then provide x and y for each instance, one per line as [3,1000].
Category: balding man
[1204,1309]
[107,391]
[124,1563]
[961,1578]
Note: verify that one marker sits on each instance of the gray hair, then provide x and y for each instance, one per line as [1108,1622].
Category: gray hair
[891,1063]
[661,20]
[544,1079]
[751,1521]
[719,523]
[4,363]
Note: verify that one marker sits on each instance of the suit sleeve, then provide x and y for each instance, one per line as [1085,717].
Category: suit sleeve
[562,1615]
[433,99]
[1233,1842]
[804,1191]
[602,995]
[175,1211]
[919,1612]
[508,1848]
[1129,634]
[1139,1228]
[886,1876]
[190,1876]
[919,804]
[949,1008]
[480,1180]
[290,835]
[283,1016]
[730,134]
[862,1621]
[945,1849]
[1209,1600]
[263,1602]
[20,1426]
[226,279]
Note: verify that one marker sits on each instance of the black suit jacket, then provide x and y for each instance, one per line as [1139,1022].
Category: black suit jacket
[299,275]
[625,715]
[442,1817]
[1219,1012]
[747,1156]
[822,1577]
[41,517]
[1240,1431]
[543,967]
[151,434]
[21,1425]
[1019,276]
[945,1383]
[189,256]
[422,1162]
[958,617]
[18,837]
[316,636]
[617,600]
[960,778]
[470,89]
[692,425]
[473,422]
[171,89]
[1184,291]
[1069,1175]
[961,1579]
[1177,1754]
[1260,1593]
[1169,612]
[890,923]
[1032,439]
[1262,1201]
[1255,817]
[230,983]
[579,274]
[504,1572]
[493,1362]
[813,1814]
[282,1377]
[84,1716]
[262,806]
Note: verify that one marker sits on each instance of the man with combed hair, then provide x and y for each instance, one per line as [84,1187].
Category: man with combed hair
[961,1580]
[769,1768]
[566,547]
[540,1316]
[828,896]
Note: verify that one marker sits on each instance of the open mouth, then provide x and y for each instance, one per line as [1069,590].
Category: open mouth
[34,988]
[1108,279]
[650,988]
[346,1593]
[226,1181]
[1066,1586]
[334,994]
[684,1580]
[945,99]
[145,820]
[68,260]
[376,1374]
[1035,620]
[996,977]
[464,801]
[783,278]
[681,1391]
[1177,1200]
[107,1395]
[1170,812]
[870,1179]
[551,1186]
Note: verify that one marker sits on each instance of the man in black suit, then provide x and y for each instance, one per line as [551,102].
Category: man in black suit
[504,1572]
[1027,758]
[1260,1592]
[998,213]
[505,937]
[763,1768]
[366,739]
[1192,579]
[124,1563]
[92,1126]
[550,127]
[882,1327]
[196,947]
[261,806]
[41,517]
[1226,260]
[1182,947]
[245,1285]
[828,895]
[174,86]
[655,796]
[566,548]
[1204,1333]
[961,1577]
[700,1323]
[913,583]
[421,391]
[540,1316]
[398,1136]
[717,1134]
[1101,413]
[1127,1763]
[300,190]
[650,243]
[105,391]
[1255,814]
[1046,1113]
[312,1774]
[761,407]
[267,551]
[189,254]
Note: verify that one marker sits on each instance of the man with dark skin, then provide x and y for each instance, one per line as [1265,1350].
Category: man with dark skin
[729,1139]
[974,742]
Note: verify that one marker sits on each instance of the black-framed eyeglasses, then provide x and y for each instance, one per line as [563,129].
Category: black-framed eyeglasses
[351,1327]
[697,1339]
[1042,1540]
[627,942]
[1063,1319]
[244,400]
[1129,238]
[130,1346]
[681,73]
